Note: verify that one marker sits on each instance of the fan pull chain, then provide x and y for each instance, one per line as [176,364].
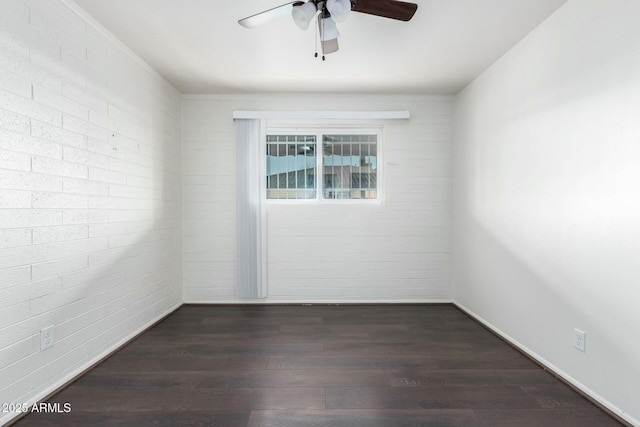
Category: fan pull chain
[321,45]
[316,55]
[320,24]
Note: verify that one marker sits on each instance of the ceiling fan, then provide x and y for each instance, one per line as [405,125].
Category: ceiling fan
[329,12]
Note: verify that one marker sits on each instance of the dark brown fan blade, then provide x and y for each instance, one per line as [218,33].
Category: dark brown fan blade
[393,9]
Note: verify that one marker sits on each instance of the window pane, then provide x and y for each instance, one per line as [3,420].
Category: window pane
[291,166]
[350,166]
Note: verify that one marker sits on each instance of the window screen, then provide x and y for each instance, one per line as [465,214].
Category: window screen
[350,165]
[291,167]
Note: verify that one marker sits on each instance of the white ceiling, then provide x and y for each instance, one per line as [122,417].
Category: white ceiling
[199,47]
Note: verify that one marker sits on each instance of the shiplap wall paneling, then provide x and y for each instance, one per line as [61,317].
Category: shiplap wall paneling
[395,251]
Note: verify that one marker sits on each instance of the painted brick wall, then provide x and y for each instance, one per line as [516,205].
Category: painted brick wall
[90,195]
[397,251]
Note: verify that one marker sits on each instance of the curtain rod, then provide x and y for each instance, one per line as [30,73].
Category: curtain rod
[330,115]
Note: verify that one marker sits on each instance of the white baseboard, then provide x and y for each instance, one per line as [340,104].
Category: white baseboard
[311,302]
[554,369]
[64,381]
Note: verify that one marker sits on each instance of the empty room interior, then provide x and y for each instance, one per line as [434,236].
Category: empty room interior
[340,213]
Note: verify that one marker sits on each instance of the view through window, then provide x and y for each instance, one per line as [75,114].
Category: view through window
[347,168]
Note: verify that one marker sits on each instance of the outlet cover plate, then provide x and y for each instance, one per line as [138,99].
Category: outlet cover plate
[47,339]
[579,338]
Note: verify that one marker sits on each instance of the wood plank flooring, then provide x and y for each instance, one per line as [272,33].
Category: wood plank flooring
[324,366]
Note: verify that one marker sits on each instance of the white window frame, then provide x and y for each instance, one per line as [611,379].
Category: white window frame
[319,131]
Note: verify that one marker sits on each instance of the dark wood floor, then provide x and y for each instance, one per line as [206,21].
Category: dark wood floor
[302,366]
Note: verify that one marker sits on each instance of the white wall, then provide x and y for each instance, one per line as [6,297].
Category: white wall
[397,251]
[90,205]
[547,196]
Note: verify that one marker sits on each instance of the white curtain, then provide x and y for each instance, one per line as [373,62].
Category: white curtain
[250,214]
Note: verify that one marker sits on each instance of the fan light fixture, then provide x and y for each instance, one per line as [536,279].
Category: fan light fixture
[339,9]
[303,14]
[328,29]
[330,46]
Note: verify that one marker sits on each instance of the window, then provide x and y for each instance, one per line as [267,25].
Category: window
[291,167]
[346,169]
[350,166]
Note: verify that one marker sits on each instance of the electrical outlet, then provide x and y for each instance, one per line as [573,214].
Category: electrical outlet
[579,338]
[47,338]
